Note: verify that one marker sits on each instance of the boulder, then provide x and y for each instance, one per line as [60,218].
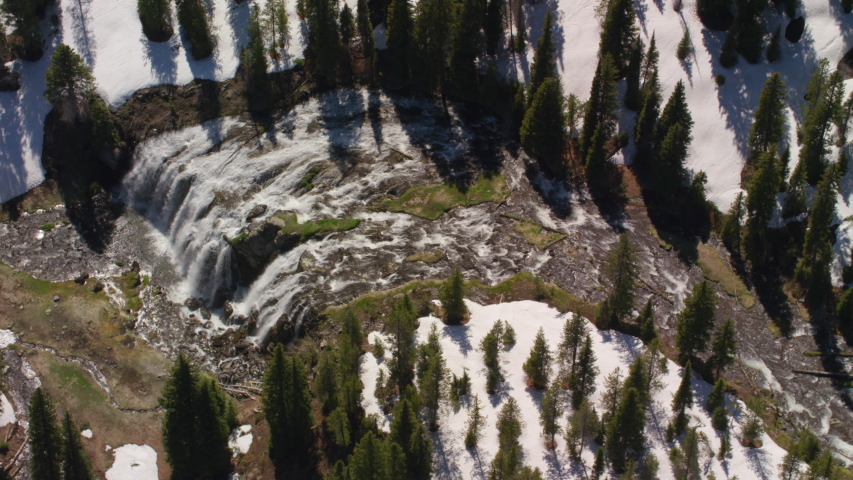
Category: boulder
[193,304]
[97,287]
[227,310]
[81,279]
[257,211]
[794,30]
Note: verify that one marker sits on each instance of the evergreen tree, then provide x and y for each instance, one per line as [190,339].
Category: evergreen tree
[633,75]
[45,438]
[287,408]
[494,27]
[452,298]
[433,28]
[731,228]
[324,38]
[598,465]
[582,426]
[750,28]
[650,63]
[476,422]
[656,365]
[774,50]
[612,393]
[650,467]
[75,462]
[409,434]
[369,459]
[192,15]
[544,64]
[326,385]
[510,425]
[467,45]
[347,23]
[212,456]
[644,131]
[685,461]
[517,9]
[275,24]
[638,379]
[824,96]
[728,52]
[519,109]
[618,32]
[571,342]
[724,347]
[601,114]
[339,425]
[490,345]
[695,321]
[543,131]
[760,203]
[419,460]
[254,60]
[178,400]
[684,46]
[432,376]
[551,408]
[401,323]
[717,397]
[23,16]
[682,400]
[68,78]
[769,125]
[621,272]
[156,19]
[844,309]
[625,431]
[715,14]
[538,364]
[646,322]
[365,29]
[672,138]
[812,271]
[583,377]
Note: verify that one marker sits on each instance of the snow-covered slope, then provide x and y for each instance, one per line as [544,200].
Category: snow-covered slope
[612,349]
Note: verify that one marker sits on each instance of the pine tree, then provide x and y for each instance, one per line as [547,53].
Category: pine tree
[728,52]
[601,114]
[156,19]
[287,408]
[650,467]
[538,364]
[844,310]
[647,119]
[582,426]
[695,321]
[192,15]
[672,138]
[612,393]
[824,96]
[347,23]
[178,400]
[790,467]
[432,376]
[646,322]
[275,24]
[476,422]
[339,425]
[490,345]
[638,379]
[621,272]
[409,434]
[769,125]
[582,382]
[211,456]
[520,30]
[543,131]
[656,365]
[731,228]
[717,397]
[760,204]
[419,460]
[68,78]
[254,60]
[452,298]
[23,16]
[467,45]
[519,109]
[650,64]
[682,400]
[685,461]
[401,322]
[369,459]
[365,29]
[774,50]
[433,27]
[598,465]
[684,46]
[750,39]
[544,64]
[494,27]
[812,271]
[618,32]
[571,342]
[625,431]
[551,408]
[45,438]
[633,75]
[75,462]
[326,385]
[724,347]
[714,14]
[324,38]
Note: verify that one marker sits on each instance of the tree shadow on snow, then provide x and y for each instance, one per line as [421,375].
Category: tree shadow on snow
[460,335]
[445,459]
[84,39]
[557,194]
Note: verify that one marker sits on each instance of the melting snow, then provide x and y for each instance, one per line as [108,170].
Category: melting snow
[612,349]
[241,439]
[133,462]
[87,433]
[7,416]
[7,337]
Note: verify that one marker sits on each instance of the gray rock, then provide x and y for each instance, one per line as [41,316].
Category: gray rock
[227,310]
[81,279]
[257,211]
[205,313]
[56,298]
[98,287]
[193,304]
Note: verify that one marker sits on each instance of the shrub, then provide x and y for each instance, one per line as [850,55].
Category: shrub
[720,79]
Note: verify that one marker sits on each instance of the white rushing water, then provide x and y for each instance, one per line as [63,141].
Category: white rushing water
[197,187]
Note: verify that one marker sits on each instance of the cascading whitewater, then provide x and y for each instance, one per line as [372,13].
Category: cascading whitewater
[197,188]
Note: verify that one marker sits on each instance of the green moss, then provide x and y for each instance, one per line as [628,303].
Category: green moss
[426,257]
[311,228]
[47,227]
[717,271]
[432,201]
[239,238]
[306,180]
[536,234]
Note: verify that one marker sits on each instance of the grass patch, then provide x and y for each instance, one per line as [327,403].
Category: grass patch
[432,201]
[306,182]
[717,271]
[433,256]
[239,238]
[310,228]
[774,330]
[47,227]
[536,234]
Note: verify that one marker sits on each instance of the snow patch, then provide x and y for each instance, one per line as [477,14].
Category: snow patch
[133,462]
[87,433]
[241,440]
[7,415]
[7,337]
